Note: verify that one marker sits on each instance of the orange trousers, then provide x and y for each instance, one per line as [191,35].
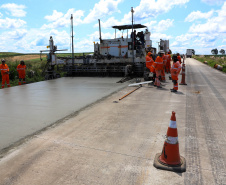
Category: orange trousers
[5,78]
[158,74]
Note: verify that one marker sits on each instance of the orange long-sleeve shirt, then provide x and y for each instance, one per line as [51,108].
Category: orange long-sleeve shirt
[4,68]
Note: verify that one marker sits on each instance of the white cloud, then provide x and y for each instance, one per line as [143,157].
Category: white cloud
[11,23]
[212,2]
[59,20]
[104,7]
[1,14]
[198,15]
[155,37]
[14,9]
[150,8]
[163,25]
[214,25]
[55,16]
[109,23]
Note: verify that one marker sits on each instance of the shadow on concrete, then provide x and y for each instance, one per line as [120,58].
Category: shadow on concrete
[178,92]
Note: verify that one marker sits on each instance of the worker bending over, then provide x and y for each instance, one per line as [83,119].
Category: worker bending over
[175,70]
[21,71]
[158,65]
[5,73]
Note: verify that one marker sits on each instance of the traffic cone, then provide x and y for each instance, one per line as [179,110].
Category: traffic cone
[183,75]
[170,158]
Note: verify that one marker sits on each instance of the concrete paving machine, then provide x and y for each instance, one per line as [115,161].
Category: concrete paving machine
[123,56]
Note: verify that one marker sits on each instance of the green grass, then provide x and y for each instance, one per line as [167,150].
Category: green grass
[34,66]
[9,54]
[212,60]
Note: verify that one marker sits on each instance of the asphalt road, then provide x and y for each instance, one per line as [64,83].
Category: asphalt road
[115,143]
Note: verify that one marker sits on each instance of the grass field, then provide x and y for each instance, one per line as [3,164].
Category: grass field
[212,60]
[34,71]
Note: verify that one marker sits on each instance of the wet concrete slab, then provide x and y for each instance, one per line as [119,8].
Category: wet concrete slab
[29,108]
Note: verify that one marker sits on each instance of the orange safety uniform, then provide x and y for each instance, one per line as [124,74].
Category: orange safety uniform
[158,65]
[5,76]
[168,65]
[21,70]
[179,58]
[22,73]
[149,62]
[175,70]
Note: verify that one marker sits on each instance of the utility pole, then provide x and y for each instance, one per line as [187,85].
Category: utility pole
[132,11]
[72,38]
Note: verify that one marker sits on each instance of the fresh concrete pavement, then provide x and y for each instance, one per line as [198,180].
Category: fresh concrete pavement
[29,108]
[115,142]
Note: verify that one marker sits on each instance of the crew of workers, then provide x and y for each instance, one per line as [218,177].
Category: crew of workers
[21,69]
[162,65]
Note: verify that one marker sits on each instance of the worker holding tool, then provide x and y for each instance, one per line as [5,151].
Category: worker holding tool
[5,73]
[179,57]
[21,71]
[175,70]
[149,63]
[158,65]
[168,65]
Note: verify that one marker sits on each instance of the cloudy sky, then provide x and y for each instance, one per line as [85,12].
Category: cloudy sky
[26,25]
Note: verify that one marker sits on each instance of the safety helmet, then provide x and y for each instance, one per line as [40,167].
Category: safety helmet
[3,60]
[161,52]
[149,53]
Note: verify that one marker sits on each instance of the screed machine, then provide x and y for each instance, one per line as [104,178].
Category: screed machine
[123,56]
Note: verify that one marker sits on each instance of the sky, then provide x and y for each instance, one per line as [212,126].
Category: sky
[26,25]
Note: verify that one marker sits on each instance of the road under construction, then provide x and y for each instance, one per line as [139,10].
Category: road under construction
[112,141]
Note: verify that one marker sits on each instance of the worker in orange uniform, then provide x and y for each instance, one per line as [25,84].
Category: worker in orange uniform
[149,65]
[149,60]
[175,70]
[179,58]
[164,66]
[5,73]
[168,65]
[158,65]
[21,69]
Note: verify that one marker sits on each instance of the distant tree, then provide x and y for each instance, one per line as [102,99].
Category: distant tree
[222,51]
[214,51]
[193,52]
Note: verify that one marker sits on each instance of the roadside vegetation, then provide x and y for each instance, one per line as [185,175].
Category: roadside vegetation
[212,60]
[35,67]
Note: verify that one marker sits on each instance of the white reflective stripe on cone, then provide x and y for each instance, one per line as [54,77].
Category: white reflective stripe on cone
[172,140]
[173,124]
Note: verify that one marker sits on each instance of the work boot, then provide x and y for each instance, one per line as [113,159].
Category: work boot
[159,87]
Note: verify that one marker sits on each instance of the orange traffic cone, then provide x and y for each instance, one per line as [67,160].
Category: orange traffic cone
[183,75]
[170,158]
